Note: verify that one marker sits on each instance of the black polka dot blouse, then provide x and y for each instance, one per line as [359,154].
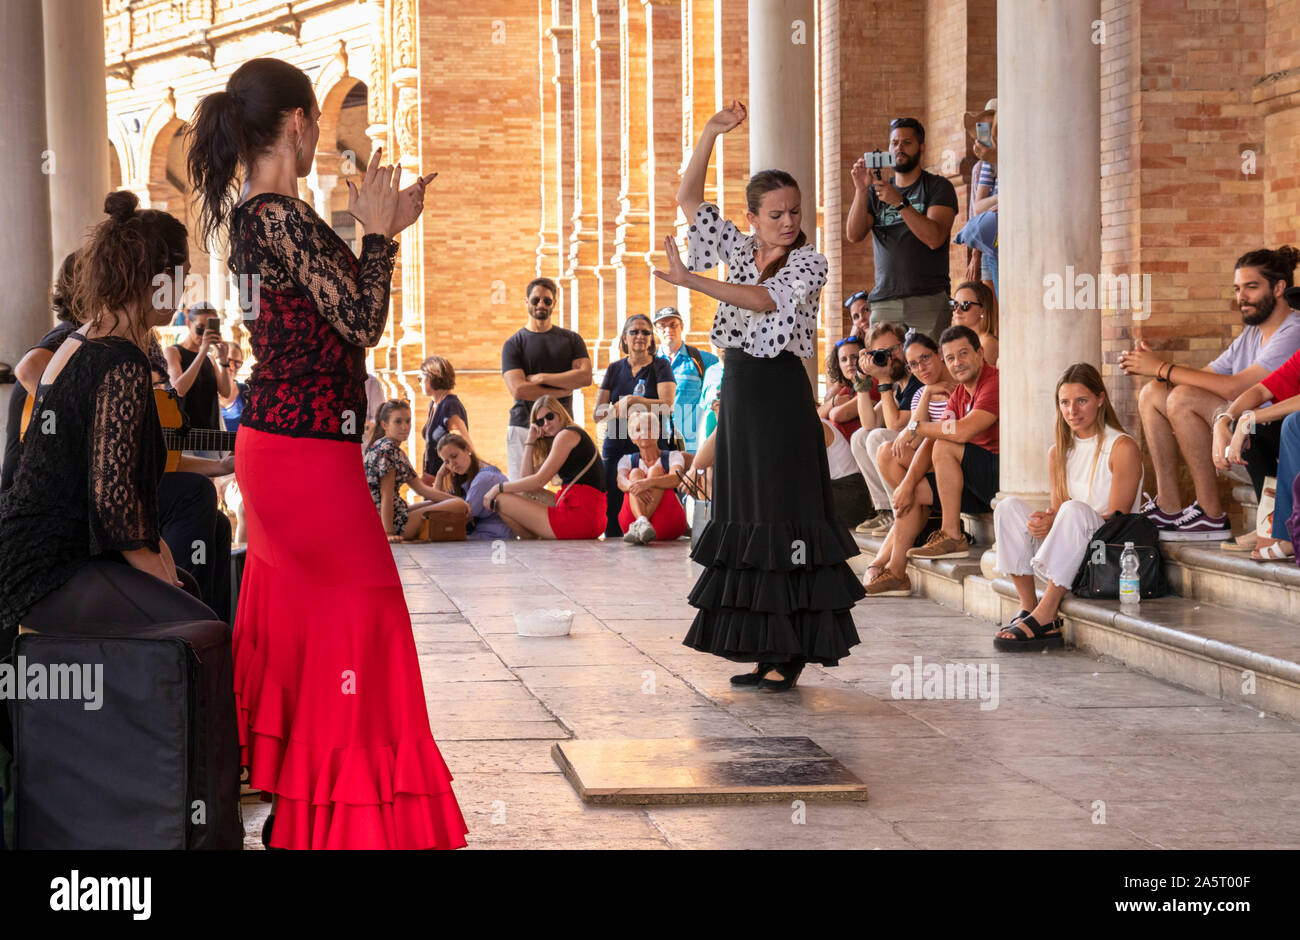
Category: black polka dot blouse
[796,288]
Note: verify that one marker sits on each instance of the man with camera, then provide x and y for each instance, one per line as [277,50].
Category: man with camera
[909,215]
[882,363]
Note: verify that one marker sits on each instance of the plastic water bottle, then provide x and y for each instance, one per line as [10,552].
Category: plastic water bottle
[1129,595]
[639,391]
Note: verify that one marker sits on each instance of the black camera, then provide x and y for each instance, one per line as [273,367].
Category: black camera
[879,357]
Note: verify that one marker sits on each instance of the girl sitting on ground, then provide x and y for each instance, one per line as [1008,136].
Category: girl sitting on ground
[649,479]
[1096,471]
[555,447]
[387,469]
[465,476]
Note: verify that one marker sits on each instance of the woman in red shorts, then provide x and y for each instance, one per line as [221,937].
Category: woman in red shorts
[648,479]
[556,447]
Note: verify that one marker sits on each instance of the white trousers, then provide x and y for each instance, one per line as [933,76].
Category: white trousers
[1056,558]
[516,438]
[864,444]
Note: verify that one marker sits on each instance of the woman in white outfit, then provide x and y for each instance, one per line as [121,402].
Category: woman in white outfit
[1096,471]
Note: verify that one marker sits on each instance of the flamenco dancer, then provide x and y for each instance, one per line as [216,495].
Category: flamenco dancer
[332,717]
[776,589]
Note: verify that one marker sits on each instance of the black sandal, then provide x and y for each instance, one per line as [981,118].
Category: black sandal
[1029,636]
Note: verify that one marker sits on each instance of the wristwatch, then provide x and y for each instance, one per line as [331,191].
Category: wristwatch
[887,387]
[912,427]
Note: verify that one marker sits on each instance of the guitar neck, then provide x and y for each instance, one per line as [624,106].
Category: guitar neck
[199,439]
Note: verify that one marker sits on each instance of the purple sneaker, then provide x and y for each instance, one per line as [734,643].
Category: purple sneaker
[1195,526]
[1157,515]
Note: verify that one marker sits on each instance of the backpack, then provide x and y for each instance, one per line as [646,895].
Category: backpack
[1098,577]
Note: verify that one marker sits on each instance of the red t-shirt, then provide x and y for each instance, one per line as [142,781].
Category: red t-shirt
[843,397]
[961,403]
[1284,381]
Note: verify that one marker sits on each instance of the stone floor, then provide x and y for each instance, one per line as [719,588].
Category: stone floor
[1077,753]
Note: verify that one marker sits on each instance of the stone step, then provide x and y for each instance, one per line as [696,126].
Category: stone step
[1243,657]
[1203,572]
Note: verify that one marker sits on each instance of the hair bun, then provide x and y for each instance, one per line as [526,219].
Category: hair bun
[121,204]
[1290,256]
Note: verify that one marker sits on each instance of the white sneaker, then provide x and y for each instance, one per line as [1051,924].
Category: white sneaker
[630,536]
[646,532]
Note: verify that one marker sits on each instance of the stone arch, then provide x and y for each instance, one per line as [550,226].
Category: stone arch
[119,143]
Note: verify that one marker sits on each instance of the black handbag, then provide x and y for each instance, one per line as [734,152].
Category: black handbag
[1098,577]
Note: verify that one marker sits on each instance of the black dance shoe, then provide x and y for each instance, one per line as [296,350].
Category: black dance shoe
[789,673]
[752,678]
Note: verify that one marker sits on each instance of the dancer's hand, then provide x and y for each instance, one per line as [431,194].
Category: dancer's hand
[677,272]
[374,205]
[728,119]
[410,202]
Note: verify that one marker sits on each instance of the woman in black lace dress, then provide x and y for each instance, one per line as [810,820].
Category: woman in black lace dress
[332,716]
[79,540]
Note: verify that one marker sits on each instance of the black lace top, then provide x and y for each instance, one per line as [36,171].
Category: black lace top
[318,308]
[88,477]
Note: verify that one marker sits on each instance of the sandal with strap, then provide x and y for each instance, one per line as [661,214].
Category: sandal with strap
[1272,552]
[1029,636]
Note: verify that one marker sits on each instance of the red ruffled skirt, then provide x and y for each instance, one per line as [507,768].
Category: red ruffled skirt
[332,716]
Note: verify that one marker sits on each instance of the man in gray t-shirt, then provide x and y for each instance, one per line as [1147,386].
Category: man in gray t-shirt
[1179,409]
[909,216]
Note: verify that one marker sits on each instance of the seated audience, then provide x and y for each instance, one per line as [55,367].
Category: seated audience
[641,379]
[1177,408]
[974,305]
[1267,441]
[841,403]
[649,480]
[859,309]
[888,456]
[882,371]
[555,447]
[1096,471]
[956,465]
[466,477]
[388,469]
[233,405]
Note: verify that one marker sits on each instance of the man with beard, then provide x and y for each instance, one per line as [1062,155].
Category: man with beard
[1180,408]
[884,420]
[540,359]
[910,217]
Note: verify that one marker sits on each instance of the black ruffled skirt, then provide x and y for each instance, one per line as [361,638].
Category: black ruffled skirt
[776,586]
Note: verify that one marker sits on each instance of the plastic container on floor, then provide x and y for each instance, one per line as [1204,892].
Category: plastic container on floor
[544,623]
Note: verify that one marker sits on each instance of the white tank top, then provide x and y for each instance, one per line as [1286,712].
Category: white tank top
[1089,479]
[839,454]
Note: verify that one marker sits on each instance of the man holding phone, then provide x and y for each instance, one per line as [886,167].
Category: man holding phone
[909,213]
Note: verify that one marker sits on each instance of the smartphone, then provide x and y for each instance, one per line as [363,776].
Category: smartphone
[876,160]
[984,133]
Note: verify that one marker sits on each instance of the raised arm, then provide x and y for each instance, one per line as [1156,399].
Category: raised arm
[690,193]
[350,293]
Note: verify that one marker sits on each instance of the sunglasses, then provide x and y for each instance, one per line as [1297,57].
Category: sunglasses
[541,302]
[849,339]
[544,418]
[639,333]
[964,305]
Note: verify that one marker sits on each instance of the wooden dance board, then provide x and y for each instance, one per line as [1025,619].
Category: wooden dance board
[704,770]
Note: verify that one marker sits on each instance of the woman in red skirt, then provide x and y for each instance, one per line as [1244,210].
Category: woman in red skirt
[556,447]
[332,715]
[649,479]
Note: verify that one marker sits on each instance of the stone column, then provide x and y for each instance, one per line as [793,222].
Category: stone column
[25,239]
[665,111]
[632,243]
[1049,130]
[782,89]
[76,119]
[605,46]
[583,248]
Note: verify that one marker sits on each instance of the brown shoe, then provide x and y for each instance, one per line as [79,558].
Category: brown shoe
[939,545]
[887,584]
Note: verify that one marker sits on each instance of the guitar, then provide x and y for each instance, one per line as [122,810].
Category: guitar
[177,433]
